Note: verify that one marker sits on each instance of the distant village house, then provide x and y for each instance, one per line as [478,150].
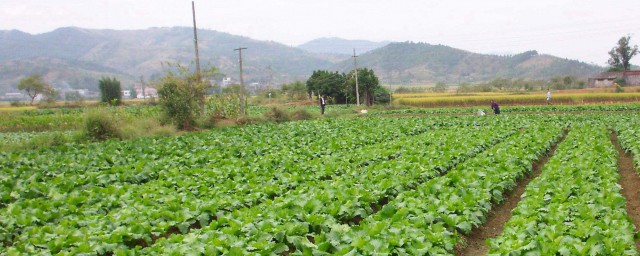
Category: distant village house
[606,79]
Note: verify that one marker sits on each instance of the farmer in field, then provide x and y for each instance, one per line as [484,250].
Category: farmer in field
[548,97]
[323,102]
[495,107]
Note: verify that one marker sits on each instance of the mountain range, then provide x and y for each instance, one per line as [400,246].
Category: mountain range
[79,57]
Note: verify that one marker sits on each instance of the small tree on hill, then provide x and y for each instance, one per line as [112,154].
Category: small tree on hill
[621,55]
[34,85]
[110,91]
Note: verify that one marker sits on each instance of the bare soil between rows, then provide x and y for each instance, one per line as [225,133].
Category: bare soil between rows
[630,182]
[474,243]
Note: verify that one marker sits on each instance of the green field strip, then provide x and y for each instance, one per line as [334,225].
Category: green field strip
[195,183]
[575,206]
[627,129]
[102,164]
[429,219]
[287,220]
[41,174]
[136,227]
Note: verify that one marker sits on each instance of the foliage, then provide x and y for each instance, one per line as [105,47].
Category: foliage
[301,114]
[295,91]
[360,186]
[34,85]
[110,91]
[100,125]
[440,87]
[330,84]
[182,94]
[575,207]
[277,115]
[134,93]
[620,55]
[368,86]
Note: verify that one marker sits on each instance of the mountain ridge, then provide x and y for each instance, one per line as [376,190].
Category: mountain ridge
[82,56]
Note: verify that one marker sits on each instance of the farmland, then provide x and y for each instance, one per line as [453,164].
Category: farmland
[397,182]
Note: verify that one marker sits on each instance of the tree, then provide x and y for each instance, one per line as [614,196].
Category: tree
[368,86]
[331,84]
[34,85]
[440,87]
[182,94]
[295,91]
[621,55]
[134,93]
[110,90]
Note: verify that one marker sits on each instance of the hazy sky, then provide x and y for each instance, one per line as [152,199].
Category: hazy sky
[576,29]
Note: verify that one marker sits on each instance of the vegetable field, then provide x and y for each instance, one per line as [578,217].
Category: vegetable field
[362,186]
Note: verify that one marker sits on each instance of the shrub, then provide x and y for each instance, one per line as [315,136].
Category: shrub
[301,114]
[277,115]
[99,125]
[182,95]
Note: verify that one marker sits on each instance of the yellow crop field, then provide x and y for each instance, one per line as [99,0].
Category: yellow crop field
[452,100]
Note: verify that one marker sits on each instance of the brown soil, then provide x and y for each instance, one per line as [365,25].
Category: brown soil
[630,182]
[474,243]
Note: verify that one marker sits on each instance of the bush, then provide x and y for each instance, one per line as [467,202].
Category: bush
[277,115]
[17,103]
[248,120]
[301,114]
[182,95]
[99,125]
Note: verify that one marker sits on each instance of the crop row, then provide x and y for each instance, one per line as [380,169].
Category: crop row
[189,191]
[33,174]
[628,132]
[135,222]
[574,207]
[429,220]
[312,226]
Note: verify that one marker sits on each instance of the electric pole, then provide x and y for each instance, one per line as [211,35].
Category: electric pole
[242,100]
[355,66]
[195,40]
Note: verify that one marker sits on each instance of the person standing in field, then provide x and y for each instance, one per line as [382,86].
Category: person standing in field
[323,102]
[548,97]
[495,107]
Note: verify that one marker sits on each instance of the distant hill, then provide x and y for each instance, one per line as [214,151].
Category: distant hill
[340,46]
[79,57]
[132,53]
[414,63]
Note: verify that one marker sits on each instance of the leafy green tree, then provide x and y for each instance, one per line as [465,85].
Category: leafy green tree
[368,87]
[621,54]
[110,90]
[34,85]
[331,84]
[182,94]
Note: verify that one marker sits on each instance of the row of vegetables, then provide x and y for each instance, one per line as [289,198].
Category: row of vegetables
[575,206]
[76,195]
[403,186]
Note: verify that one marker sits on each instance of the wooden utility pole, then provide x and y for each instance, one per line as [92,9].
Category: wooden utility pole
[195,40]
[242,99]
[355,66]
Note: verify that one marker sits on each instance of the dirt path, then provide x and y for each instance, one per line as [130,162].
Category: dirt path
[500,214]
[630,182]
